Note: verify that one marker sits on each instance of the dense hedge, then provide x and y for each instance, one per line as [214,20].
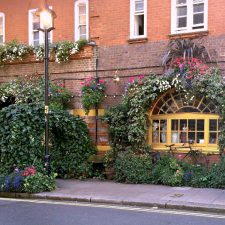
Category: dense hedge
[22,140]
[131,168]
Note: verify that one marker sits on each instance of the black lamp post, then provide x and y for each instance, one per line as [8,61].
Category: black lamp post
[47,17]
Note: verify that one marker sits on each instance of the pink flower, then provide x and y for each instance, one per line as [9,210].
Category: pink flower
[62,85]
[131,79]
[101,81]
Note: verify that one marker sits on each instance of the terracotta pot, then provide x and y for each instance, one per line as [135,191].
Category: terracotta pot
[109,173]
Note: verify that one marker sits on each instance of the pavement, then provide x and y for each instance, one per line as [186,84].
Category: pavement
[109,192]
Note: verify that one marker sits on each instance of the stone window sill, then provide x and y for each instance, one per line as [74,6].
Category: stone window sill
[188,35]
[137,40]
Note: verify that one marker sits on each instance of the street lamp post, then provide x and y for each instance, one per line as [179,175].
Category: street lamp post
[46,25]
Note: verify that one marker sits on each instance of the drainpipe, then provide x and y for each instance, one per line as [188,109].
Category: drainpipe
[96,106]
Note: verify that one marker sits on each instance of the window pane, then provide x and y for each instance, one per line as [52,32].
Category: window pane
[82,19]
[163,125]
[182,11]
[1,25]
[139,5]
[83,36]
[199,8]
[191,136]
[139,25]
[36,26]
[183,130]
[200,138]
[182,22]
[212,138]
[213,125]
[1,39]
[82,9]
[181,1]
[198,18]
[82,30]
[191,125]
[36,35]
[36,42]
[155,131]
[174,124]
[200,125]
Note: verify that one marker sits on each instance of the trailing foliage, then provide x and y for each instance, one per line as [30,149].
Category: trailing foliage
[92,93]
[117,118]
[132,168]
[62,50]
[30,89]
[139,97]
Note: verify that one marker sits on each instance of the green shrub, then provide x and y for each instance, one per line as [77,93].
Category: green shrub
[167,171]
[195,175]
[39,182]
[21,136]
[217,175]
[22,140]
[71,146]
[131,168]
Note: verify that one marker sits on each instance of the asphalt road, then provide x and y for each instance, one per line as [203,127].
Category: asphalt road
[37,212]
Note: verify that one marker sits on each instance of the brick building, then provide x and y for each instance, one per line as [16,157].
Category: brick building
[131,37]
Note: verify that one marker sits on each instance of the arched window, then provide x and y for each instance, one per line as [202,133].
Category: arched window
[81,20]
[174,120]
[2,28]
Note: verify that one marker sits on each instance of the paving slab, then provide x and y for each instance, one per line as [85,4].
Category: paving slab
[200,199]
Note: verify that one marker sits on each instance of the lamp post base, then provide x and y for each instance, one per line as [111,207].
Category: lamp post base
[47,164]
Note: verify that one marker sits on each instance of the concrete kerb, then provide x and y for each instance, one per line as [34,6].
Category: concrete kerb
[168,205]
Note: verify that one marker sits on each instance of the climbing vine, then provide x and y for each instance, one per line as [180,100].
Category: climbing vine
[140,95]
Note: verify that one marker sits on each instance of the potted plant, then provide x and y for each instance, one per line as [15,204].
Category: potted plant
[108,163]
[92,93]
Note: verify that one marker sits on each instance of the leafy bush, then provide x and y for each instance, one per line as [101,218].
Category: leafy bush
[30,89]
[27,180]
[217,175]
[22,136]
[39,182]
[195,175]
[117,117]
[133,168]
[71,145]
[167,171]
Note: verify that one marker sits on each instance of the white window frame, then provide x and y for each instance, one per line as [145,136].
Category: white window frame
[132,20]
[76,12]
[189,28]
[3,26]
[30,29]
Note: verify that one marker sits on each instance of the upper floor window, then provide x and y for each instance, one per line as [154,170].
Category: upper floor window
[36,37]
[2,28]
[189,15]
[138,18]
[81,20]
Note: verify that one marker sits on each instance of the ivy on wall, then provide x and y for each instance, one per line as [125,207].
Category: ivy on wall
[140,95]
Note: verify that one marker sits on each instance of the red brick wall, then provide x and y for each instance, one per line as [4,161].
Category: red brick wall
[109,20]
